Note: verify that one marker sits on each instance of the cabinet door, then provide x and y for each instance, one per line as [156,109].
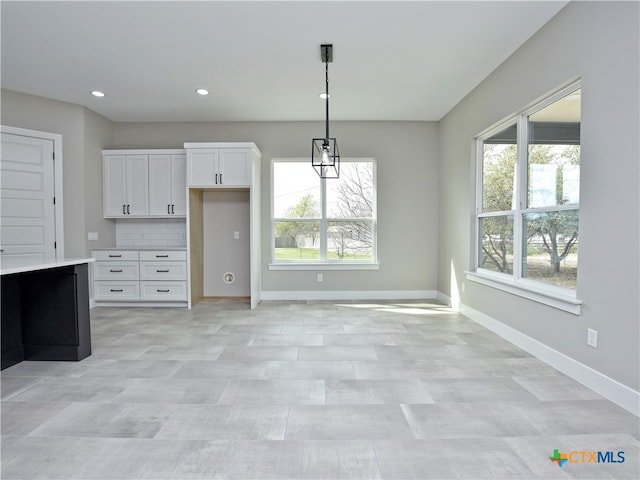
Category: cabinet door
[114,185]
[235,167]
[178,185]
[160,185]
[137,185]
[202,167]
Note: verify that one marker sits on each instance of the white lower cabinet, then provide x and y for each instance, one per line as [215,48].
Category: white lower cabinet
[132,276]
[116,291]
[163,291]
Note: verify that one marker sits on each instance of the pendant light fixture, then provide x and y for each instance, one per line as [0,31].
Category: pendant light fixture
[325,156]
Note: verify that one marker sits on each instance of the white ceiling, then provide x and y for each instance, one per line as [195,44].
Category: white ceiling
[261,60]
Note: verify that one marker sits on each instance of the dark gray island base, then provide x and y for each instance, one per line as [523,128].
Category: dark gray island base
[45,313]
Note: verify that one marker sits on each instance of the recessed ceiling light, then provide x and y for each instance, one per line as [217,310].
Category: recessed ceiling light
[202,91]
[98,93]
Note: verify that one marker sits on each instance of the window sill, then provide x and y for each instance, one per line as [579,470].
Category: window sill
[324,266]
[551,297]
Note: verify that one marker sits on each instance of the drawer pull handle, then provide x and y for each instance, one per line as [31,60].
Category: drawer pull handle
[116,290]
[115,271]
[162,271]
[162,256]
[115,256]
[162,291]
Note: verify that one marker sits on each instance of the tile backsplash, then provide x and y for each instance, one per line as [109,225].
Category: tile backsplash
[151,232]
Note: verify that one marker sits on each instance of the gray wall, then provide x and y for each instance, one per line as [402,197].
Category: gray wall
[599,42]
[83,134]
[98,136]
[407,162]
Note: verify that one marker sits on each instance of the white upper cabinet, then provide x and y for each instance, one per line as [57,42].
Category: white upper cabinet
[235,167]
[144,183]
[202,167]
[126,185]
[167,185]
[226,165]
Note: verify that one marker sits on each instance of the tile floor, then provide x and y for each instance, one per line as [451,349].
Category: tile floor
[297,390]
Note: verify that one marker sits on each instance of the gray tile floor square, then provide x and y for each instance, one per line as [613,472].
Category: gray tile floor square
[303,390]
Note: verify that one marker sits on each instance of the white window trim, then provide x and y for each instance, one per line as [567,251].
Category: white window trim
[555,296]
[325,264]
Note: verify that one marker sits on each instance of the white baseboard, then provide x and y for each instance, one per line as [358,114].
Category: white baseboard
[349,295]
[445,299]
[609,388]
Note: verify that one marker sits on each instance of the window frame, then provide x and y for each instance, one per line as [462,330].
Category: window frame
[324,263]
[563,298]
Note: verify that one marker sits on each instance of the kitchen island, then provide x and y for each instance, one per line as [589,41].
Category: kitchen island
[45,311]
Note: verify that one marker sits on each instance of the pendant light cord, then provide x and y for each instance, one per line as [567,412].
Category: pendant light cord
[326,72]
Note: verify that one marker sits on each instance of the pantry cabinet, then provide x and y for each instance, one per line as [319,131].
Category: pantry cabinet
[223,186]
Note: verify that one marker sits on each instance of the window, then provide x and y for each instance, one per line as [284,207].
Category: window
[528,198]
[324,221]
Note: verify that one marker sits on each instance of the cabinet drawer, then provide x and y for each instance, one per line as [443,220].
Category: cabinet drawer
[163,291]
[163,255]
[163,271]
[117,291]
[115,255]
[116,271]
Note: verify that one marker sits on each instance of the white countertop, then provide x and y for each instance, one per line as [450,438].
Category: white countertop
[44,266]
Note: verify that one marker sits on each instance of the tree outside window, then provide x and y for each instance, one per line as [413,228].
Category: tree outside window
[318,220]
[530,229]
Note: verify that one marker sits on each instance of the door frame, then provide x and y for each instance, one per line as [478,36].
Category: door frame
[57,179]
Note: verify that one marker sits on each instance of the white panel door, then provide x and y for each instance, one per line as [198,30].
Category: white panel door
[27,211]
[160,185]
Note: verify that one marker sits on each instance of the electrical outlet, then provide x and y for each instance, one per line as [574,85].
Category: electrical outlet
[320,277]
[592,338]
[236,235]
[92,235]
[462,287]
